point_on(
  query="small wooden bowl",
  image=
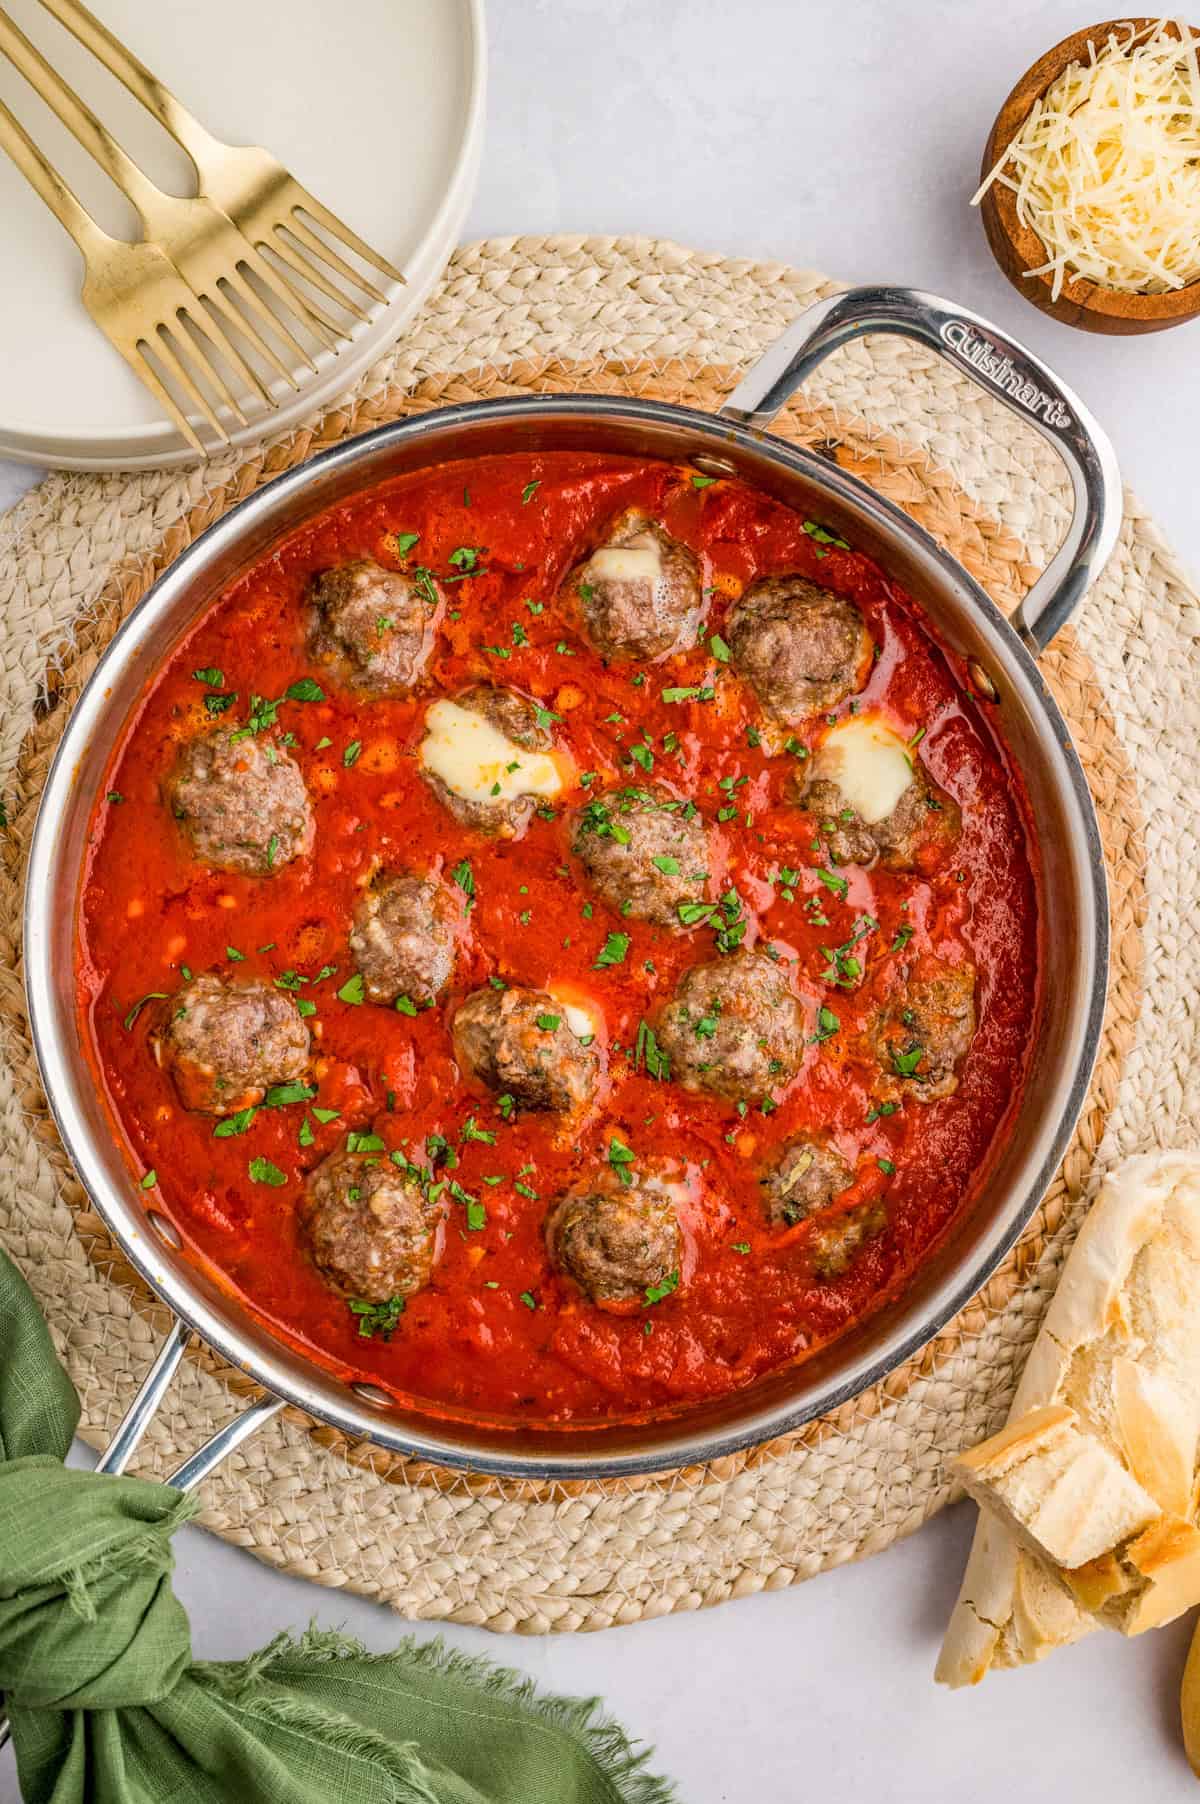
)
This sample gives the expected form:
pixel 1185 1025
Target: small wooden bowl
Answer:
pixel 1016 248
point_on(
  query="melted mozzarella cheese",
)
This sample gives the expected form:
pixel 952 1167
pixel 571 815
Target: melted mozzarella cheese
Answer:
pixel 582 1014
pixel 475 760
pixel 869 763
pixel 638 562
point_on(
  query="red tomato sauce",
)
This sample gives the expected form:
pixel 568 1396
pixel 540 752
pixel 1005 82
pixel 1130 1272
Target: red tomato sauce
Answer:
pixel 497 1332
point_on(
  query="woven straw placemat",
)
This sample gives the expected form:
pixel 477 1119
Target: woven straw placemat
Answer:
pixel 644 316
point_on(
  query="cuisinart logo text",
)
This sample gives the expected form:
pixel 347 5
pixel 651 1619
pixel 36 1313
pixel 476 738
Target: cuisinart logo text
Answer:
pixel 996 368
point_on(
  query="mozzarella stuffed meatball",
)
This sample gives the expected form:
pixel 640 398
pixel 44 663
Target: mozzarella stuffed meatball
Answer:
pixel 616 1241
pixel 923 1034
pixel 403 939
pixel 874 801
pixel 801 648
pixel 241 803
pixel 487 756
pixel 369 1227
pixel 638 595
pixel 645 851
pixel 803 1181
pixel 733 1028
pixel 518 1042
pixel 375 627
pixel 226 1042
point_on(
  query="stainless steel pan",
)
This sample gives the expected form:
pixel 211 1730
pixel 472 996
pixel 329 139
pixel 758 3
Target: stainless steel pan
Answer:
pixel 1002 661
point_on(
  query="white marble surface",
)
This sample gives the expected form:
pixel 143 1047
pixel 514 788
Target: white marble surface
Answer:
pixel 844 138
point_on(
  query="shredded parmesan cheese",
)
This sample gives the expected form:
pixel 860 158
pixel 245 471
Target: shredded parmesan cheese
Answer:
pixel 1106 168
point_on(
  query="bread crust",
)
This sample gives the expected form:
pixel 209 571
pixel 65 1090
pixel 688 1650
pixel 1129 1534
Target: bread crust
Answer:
pixel 1110 1396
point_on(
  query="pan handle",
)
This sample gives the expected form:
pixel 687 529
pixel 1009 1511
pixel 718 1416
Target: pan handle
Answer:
pixel 1000 366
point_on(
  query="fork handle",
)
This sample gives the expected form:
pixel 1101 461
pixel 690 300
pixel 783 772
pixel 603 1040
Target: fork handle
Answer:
pixel 76 115
pixel 45 179
pixel 158 99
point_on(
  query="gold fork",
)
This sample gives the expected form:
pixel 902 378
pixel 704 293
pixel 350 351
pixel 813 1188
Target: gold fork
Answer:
pixel 246 182
pixel 206 248
pixel 135 295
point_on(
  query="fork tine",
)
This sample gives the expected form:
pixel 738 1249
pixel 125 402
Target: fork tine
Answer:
pixel 305 234
pixel 317 321
pixel 203 318
pixel 290 255
pixel 162 346
pixel 236 281
pixel 201 324
pixel 218 309
pixel 332 224
pixel 142 368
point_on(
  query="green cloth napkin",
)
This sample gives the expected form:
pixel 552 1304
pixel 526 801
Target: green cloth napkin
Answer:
pixel 108 1706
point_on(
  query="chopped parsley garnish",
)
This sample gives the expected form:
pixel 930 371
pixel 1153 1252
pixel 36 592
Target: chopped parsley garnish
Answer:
pixel 719 649
pixel 827 1024
pixel 529 1300
pixel 280 1096
pixel 305 1007
pixel 702 482
pixel 471 1130
pixel 306 1135
pixel 648 1053
pixel 904 933
pixel 403 542
pixel 693 914
pixel 529 491
pixel 364 1143
pixel 262 1171
pixel 464 876
pixel 217 704
pixel 664 862
pixel 115 797
pixel 214 678
pixel 905 1063
pixel 150 1179
pixel 656 1292
pixel 741 1246
pixel 322 744
pixel 696 692
pixel 545 717
pixel 352 753
pixel 306 690
pixel 643 755
pixel 823 536
pixel 234 1124
pixel 231 952
pixel 832 881
pixel 886 1166
pixel 406 1005
pixel 380 1319
pixel 466 559
pixel 613 951
pixel 324 1116
pixel 135 1011
pixel 272 850
pixel 352 990
pixel 732 930
pixel 549 1024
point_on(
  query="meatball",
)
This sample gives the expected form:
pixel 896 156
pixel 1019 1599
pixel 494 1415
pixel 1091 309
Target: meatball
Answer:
pixel 518 1041
pixel 873 799
pixel 225 1043
pixel 403 937
pixel 375 626
pixel 638 594
pixel 516 717
pixel 733 1028
pixel 241 802
pixel 804 1180
pixel 616 1241
pixel 644 850
pixel 801 648
pixel 836 1244
pixel 370 1228
pixel 922 1035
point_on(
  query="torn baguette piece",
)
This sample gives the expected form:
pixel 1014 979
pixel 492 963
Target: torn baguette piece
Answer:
pixel 1060 1491
pixel 1120 1349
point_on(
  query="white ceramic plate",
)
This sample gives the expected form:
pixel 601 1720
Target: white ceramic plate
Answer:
pixel 375 105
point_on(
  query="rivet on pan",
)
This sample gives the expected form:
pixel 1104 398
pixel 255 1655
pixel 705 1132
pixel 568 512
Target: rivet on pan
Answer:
pixel 371 1393
pixel 982 681
pixel 166 1230
pixel 714 466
